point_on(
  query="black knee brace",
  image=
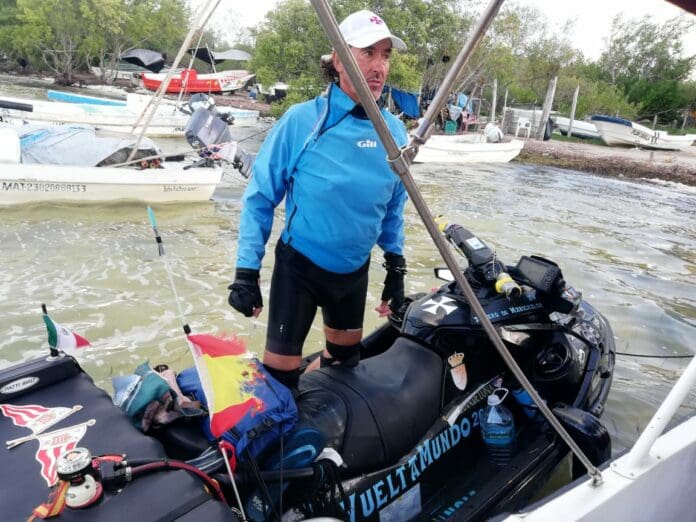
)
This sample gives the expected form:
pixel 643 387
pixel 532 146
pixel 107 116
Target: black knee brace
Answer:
pixel 289 378
pixel 341 354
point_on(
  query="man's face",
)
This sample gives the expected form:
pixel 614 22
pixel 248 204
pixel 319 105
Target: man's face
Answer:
pixel 373 62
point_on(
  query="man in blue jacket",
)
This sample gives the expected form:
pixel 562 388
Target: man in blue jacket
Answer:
pixel 341 199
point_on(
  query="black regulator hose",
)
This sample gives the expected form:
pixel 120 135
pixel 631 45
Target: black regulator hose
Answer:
pixel 116 471
pixel 163 465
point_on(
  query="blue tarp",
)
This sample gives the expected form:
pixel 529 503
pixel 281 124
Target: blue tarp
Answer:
pixel 407 102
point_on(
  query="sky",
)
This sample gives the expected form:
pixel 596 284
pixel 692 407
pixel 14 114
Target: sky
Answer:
pixel 592 17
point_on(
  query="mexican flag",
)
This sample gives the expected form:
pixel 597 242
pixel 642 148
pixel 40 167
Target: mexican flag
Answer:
pixel 61 338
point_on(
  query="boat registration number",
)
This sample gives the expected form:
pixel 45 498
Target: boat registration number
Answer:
pixel 30 186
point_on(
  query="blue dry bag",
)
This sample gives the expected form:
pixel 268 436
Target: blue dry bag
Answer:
pixel 257 430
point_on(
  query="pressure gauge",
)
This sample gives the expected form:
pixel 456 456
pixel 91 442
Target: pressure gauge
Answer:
pixel 74 463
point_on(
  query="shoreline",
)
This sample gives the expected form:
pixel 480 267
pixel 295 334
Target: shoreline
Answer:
pixel 89 84
pixel 621 162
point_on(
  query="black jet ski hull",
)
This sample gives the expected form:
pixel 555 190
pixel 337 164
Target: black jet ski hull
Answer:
pixel 28 467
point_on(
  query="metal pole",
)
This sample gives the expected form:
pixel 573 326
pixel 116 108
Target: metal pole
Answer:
pixel 400 166
pixel 422 133
pixel 155 100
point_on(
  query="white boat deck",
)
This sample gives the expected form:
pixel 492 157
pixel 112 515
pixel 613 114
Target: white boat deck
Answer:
pixel 653 481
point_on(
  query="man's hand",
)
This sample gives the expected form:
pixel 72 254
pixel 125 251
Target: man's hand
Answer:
pixel 393 293
pixel 245 293
pixel 383 309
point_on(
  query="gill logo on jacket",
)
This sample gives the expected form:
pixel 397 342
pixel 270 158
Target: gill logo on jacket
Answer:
pixel 367 144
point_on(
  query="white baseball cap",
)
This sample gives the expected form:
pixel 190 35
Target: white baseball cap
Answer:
pixel 364 28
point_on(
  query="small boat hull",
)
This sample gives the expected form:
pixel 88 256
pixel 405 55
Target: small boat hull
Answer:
pixel 461 149
pixel 71 97
pixel 581 129
pixel 190 81
pixel 626 133
pixel 22 183
pixel 167 122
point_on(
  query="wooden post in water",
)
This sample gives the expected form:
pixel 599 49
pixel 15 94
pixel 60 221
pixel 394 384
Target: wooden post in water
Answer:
pixel 548 102
pixel 572 110
pixel 495 99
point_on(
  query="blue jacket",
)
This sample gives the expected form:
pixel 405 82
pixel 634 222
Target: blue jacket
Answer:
pixel 341 196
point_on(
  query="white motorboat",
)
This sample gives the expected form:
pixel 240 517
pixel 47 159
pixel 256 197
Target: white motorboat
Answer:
pixel 466 148
pixel 135 103
pixel 653 481
pixel 621 132
pixel 581 128
pixel 168 121
pixel 171 182
pixel 56 163
pixel 74 97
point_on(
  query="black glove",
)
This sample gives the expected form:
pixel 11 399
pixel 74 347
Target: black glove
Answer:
pixel 243 161
pixel 245 294
pixel 394 282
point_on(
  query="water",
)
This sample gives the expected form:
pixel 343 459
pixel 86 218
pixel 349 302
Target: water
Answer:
pixel 629 247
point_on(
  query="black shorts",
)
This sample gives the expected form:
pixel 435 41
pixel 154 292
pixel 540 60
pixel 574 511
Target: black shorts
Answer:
pixel 298 287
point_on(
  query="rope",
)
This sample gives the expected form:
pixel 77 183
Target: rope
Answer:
pixel 649 356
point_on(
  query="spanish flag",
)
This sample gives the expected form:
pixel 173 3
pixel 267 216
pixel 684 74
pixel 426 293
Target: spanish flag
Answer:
pixel 228 375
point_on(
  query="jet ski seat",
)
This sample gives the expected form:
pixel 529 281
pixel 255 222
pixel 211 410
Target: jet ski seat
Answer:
pixel 374 413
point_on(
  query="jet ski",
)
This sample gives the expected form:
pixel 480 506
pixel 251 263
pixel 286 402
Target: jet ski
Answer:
pixel 398 437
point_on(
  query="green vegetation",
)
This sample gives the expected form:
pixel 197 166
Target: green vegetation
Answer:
pixel 67 36
pixel 642 72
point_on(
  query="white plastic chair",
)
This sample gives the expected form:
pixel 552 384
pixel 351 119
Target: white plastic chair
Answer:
pixel 525 124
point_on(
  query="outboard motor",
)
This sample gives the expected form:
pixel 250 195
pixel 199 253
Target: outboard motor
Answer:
pixel 208 132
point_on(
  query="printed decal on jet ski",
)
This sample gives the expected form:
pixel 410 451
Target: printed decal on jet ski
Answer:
pixel 458 370
pixel 450 510
pixel 437 303
pixel 19 385
pixel 406 507
pixel 55 443
pixel 506 309
pixel 370 497
pixel 37 418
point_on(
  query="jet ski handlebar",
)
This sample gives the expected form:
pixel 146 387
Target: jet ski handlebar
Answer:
pixel 543 275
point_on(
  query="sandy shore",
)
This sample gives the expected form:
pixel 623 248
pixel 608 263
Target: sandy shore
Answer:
pixel 675 166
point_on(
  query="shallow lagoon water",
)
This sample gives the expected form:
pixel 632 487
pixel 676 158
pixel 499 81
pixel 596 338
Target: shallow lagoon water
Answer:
pixel 630 247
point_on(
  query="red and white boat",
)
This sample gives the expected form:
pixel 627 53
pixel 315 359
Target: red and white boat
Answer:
pixel 189 81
